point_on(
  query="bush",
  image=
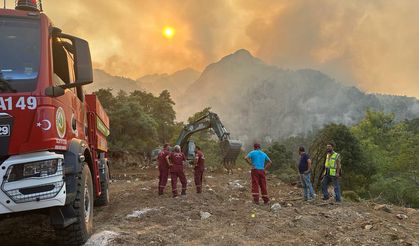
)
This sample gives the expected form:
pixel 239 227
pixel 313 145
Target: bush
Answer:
pixel 282 163
pixel 396 190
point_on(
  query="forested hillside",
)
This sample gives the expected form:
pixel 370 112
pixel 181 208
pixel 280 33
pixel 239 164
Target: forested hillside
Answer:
pixel 379 154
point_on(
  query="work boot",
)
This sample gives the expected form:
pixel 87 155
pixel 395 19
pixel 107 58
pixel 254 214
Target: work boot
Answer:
pixel 160 193
pixel 183 193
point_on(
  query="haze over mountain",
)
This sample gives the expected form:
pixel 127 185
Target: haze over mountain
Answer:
pixel 258 101
pixel 177 83
pixel 104 80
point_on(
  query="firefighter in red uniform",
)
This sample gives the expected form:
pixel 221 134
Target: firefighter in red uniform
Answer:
pixel 163 168
pixel 175 160
pixel 199 168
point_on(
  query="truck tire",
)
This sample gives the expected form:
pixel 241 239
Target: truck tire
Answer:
pixel 79 232
pixel 103 199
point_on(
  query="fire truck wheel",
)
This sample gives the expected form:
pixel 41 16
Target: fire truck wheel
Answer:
pixel 103 199
pixel 79 232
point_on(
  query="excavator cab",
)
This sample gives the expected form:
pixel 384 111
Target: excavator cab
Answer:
pixel 189 151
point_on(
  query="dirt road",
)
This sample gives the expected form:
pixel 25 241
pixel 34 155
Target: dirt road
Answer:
pixel 137 216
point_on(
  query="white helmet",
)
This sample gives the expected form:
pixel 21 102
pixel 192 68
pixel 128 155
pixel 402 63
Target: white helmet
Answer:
pixel 177 148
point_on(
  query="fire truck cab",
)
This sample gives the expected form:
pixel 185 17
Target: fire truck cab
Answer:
pixel 53 147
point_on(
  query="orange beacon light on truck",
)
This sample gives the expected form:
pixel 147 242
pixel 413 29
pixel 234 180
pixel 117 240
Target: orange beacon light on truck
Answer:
pixel 28 5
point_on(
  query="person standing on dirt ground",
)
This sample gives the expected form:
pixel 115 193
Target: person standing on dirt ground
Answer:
pixel 163 168
pixel 175 160
pixel 257 159
pixel 304 167
pixel 199 168
pixel 332 168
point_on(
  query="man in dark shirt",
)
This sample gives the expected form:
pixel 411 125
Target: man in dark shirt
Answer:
pixel 175 160
pixel 163 168
pixel 199 168
pixel 304 168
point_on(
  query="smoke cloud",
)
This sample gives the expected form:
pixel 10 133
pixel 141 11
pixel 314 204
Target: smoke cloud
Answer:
pixel 370 44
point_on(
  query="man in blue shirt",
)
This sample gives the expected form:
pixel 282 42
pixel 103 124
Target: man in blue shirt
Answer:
pixel 304 168
pixel 257 159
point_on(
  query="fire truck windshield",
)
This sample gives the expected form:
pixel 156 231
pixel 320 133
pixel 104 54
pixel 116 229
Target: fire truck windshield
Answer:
pixel 19 53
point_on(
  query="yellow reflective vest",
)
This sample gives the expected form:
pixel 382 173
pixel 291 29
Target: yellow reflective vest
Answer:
pixel 331 163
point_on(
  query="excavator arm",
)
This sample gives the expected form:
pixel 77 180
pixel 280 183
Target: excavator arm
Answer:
pixel 230 149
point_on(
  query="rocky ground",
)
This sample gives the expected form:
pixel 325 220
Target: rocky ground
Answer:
pixel 224 215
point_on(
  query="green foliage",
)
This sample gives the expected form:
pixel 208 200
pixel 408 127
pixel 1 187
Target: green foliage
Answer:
pixel 379 156
pixel 139 120
pixel 280 156
pixel 392 149
pixel 398 190
pixel 282 162
pixel 355 170
pixel 413 125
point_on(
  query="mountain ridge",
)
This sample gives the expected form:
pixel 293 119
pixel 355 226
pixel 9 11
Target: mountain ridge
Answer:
pixel 256 100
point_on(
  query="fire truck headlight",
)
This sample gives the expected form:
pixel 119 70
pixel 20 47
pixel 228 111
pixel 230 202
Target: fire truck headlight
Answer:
pixel 33 170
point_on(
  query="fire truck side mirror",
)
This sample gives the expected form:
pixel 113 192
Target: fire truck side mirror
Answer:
pixel 83 61
pixel 56 32
pixel 54 91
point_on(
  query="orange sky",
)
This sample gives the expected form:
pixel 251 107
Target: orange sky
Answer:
pixel 371 44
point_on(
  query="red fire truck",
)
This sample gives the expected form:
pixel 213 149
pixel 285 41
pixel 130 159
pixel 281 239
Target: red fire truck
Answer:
pixel 53 148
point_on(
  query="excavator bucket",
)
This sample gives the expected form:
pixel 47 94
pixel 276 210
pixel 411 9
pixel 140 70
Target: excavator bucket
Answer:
pixel 230 149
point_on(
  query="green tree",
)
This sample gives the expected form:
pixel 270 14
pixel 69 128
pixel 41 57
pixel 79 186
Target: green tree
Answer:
pixel 413 125
pixel 161 109
pixel 356 171
pixel 106 99
pixel 282 162
pixel 391 149
pixel 280 156
pixel 139 120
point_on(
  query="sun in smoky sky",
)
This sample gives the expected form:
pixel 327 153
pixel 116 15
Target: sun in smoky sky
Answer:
pixel 168 32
